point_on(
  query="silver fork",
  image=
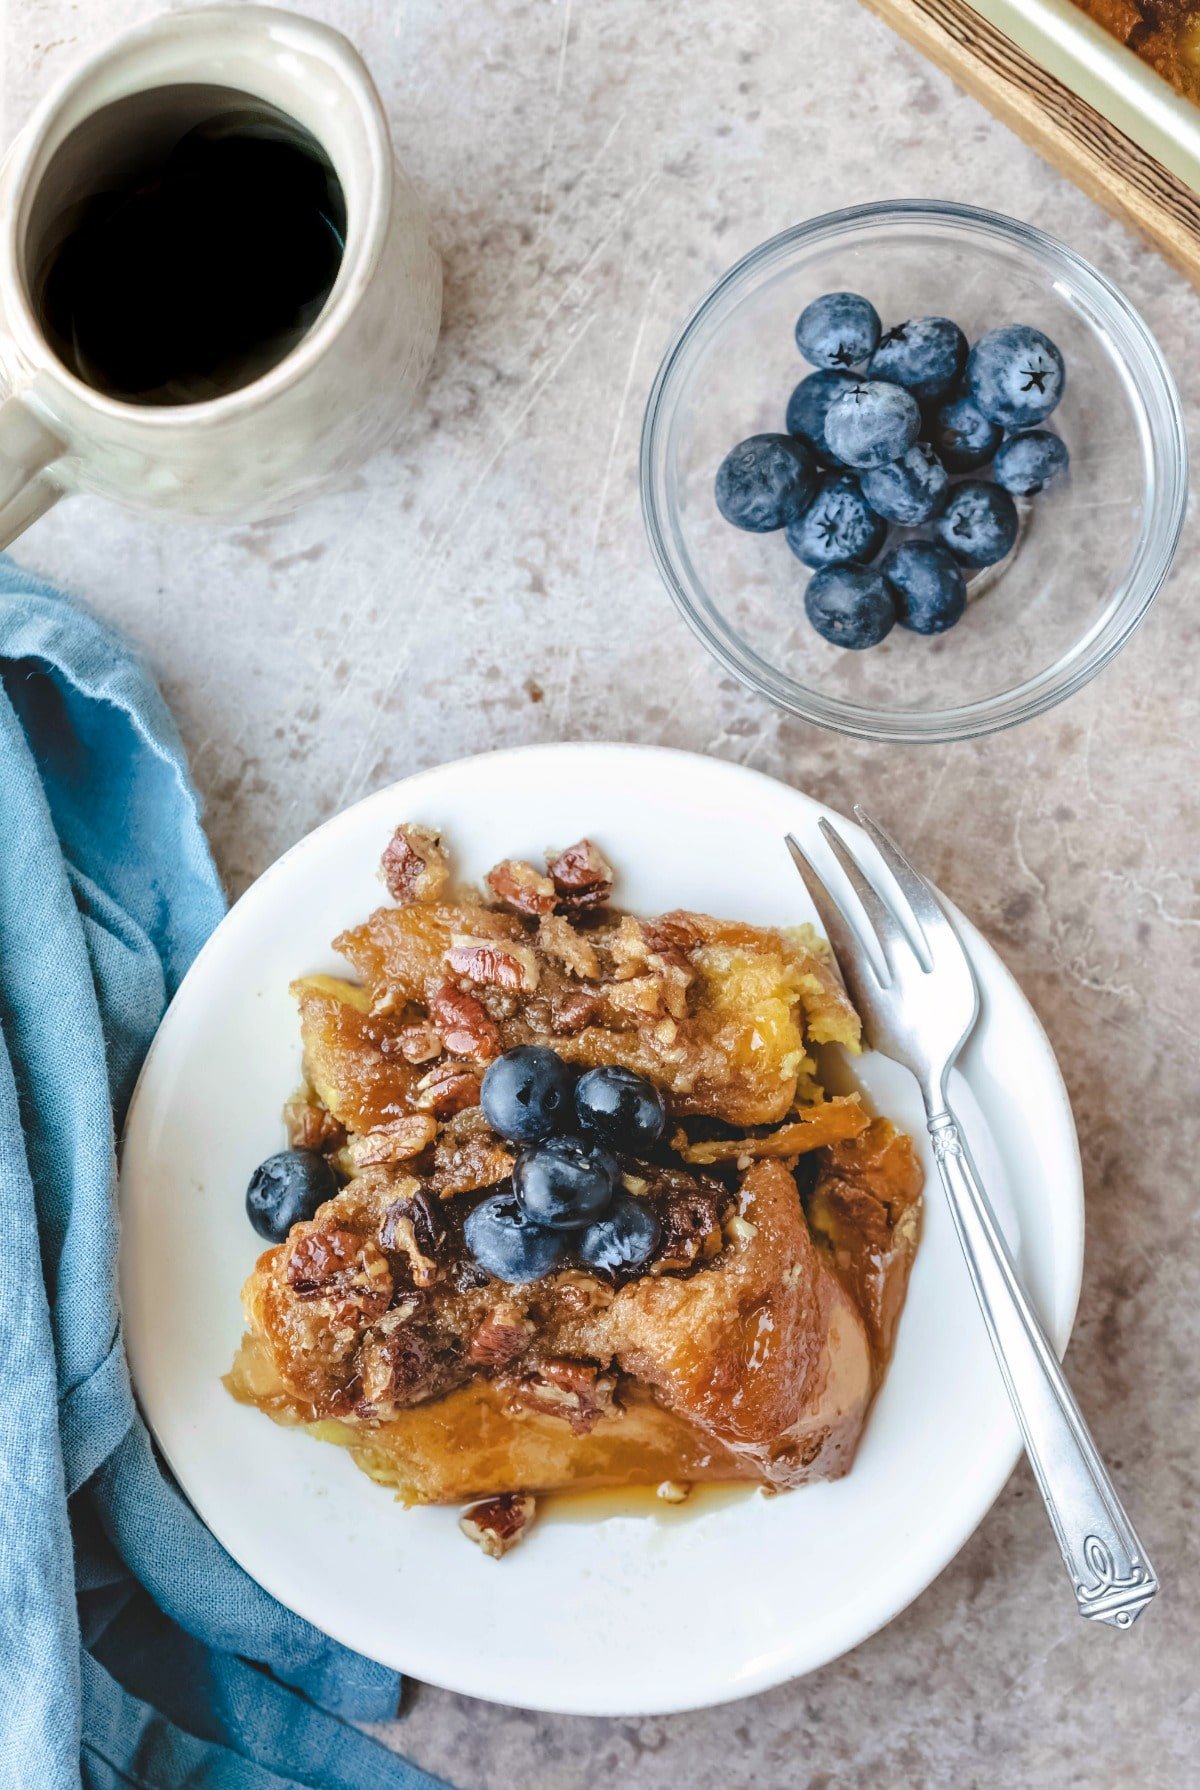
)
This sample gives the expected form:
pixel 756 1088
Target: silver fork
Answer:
pixel 920 1012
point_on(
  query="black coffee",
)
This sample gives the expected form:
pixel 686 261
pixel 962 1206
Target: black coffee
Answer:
pixel 201 260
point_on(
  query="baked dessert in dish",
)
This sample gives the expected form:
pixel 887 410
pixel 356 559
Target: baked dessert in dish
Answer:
pixel 566 1206
pixel 1164 33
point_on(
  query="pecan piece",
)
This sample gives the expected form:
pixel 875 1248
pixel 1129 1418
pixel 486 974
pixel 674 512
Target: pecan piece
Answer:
pixel 575 1011
pixel 581 876
pixel 494 965
pixel 404 1365
pixel 677 931
pixel 503 1335
pixel 639 999
pixel 397 1141
pixel 415 867
pixel 497 1524
pixel 674 974
pixel 311 1126
pixel 518 885
pixel 628 949
pixel 691 1230
pixel 412 1228
pixel 419 1043
pixel 343 1267
pixel 576 1391
pixel 466 1026
pixel 464 1162
pixel 448 1088
pixel 558 938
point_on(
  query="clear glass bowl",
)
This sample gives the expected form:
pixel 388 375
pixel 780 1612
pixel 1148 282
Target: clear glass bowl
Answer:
pixel 1093 549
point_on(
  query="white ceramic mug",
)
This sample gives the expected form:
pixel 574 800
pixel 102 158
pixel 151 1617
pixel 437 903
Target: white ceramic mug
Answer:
pixel 303 426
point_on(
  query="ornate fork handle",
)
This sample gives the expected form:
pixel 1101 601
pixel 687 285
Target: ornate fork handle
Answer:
pixel 1112 1579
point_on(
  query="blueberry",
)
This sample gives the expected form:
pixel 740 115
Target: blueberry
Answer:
pixel 502 1239
pixel 849 606
pixel 1016 376
pixel 809 403
pixel 839 527
pixel 765 483
pixel 871 423
pixel 963 437
pixel 839 330
pixel 526 1093
pixel 565 1182
pixel 926 356
pixel 979 524
pixel 624 1110
pixel 911 490
pixel 625 1237
pixel 286 1189
pixel 928 585
pixel 1027 463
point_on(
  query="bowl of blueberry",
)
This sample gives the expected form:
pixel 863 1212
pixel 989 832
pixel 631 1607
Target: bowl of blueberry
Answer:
pixel 914 471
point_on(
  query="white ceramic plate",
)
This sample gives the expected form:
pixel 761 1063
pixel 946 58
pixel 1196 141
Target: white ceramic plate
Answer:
pixel 628 1614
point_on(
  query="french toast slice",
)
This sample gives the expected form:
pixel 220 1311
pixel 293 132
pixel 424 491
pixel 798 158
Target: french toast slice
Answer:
pixel 756 1365
pixel 750 1344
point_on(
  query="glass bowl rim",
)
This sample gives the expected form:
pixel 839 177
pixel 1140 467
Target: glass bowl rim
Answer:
pixel 1152 391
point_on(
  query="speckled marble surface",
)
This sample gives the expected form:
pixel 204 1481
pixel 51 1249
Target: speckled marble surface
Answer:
pixel 590 168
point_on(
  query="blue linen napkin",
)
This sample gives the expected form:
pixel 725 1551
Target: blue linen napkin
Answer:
pixel 133 1651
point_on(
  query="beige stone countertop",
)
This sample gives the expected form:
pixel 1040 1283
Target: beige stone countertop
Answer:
pixel 591 166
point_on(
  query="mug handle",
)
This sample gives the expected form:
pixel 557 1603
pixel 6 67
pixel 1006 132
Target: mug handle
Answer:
pixel 26 448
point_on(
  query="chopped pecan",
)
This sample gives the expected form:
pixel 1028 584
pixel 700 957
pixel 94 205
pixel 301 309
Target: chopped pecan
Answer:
pixel 419 1043
pixel 520 886
pixel 677 931
pixel 466 1026
pixel 343 1267
pixel 674 974
pixel 558 939
pixel 628 948
pixel 311 1126
pixel 448 1088
pixel 497 1524
pixel 397 1141
pixel 581 876
pixel 576 1391
pixel 415 867
pixel 639 999
pixel 575 1011
pixel 739 1230
pixel 578 1295
pixel 404 1365
pixel 467 1160
pixel 691 1230
pixel 493 964
pixel 411 1227
pixel 503 1335
pixel 343 1400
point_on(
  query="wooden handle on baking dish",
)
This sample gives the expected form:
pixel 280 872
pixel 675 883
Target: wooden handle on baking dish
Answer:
pixel 1069 132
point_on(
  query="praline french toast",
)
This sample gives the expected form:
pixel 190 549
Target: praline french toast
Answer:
pixel 1164 33
pixel 723 1309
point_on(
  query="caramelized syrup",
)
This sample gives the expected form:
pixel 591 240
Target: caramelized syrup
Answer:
pixel 642 1502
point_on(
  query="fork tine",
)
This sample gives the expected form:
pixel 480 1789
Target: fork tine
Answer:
pixel 933 927
pixel 889 934
pixel 858 972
